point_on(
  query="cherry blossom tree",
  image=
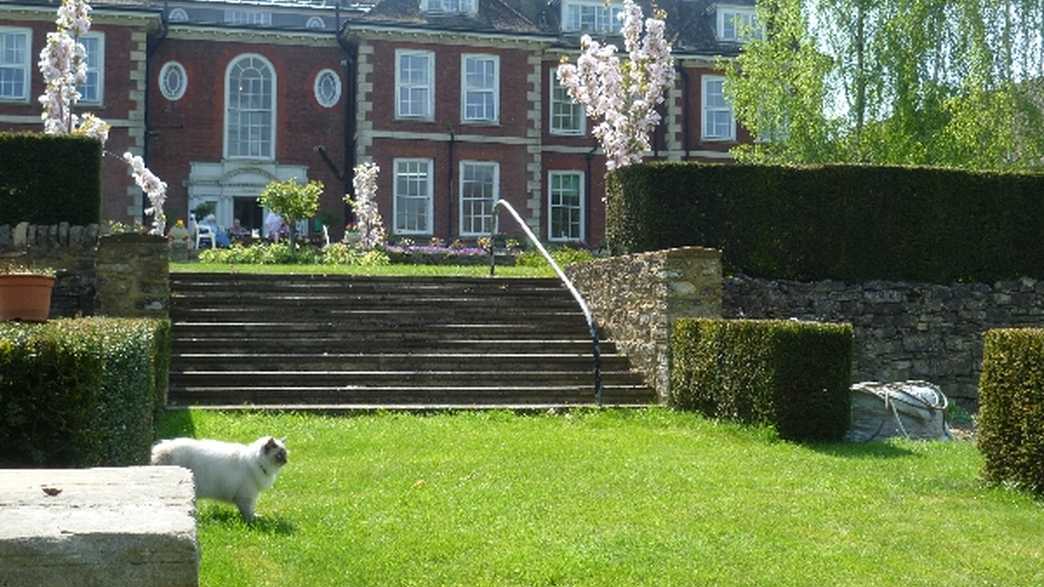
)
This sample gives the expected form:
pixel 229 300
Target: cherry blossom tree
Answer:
pixel 63 64
pixel 623 95
pixel 368 218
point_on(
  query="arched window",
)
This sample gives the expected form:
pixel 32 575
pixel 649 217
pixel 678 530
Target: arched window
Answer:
pixel 177 15
pixel 250 85
pixel 316 23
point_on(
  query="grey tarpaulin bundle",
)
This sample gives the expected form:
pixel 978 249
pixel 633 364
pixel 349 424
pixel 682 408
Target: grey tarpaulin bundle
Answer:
pixel 911 409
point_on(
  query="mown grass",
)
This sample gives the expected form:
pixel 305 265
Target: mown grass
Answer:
pixel 386 270
pixel 608 498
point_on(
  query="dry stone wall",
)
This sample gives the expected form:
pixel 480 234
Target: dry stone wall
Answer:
pixel 636 298
pixel 902 330
pixel 117 275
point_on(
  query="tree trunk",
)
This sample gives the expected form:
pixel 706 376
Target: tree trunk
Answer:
pixel 292 228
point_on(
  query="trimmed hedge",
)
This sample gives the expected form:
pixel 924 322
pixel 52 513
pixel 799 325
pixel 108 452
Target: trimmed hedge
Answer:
pixel 844 222
pixel 792 375
pixel 49 179
pixel 81 392
pixel 1011 407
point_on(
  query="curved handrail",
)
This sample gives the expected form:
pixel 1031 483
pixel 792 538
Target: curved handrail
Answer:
pixel 591 325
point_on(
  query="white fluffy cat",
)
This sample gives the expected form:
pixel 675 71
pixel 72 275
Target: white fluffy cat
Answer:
pixel 236 473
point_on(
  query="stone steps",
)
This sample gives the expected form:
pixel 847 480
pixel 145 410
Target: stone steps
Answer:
pixel 278 340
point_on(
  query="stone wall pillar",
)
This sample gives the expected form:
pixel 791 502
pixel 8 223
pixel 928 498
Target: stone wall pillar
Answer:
pixel 133 278
pixel 636 299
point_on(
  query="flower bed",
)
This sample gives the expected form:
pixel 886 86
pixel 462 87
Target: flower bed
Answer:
pixel 442 255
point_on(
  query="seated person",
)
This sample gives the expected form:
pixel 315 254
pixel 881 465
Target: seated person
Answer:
pixel 220 236
pixel 179 234
pixel 238 231
pixel 274 226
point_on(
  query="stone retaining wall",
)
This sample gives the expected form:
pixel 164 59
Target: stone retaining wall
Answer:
pixel 636 298
pixel 902 330
pixel 118 275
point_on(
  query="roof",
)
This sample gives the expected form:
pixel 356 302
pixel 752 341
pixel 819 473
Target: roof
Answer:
pixel 691 24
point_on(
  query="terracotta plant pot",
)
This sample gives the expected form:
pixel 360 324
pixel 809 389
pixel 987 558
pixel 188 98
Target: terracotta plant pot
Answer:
pixel 25 297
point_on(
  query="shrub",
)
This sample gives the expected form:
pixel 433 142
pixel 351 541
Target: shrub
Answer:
pixel 292 201
pixel 48 179
pixel 841 222
pixel 793 375
pixel 1011 407
pixel 563 256
pixel 81 392
pixel 281 254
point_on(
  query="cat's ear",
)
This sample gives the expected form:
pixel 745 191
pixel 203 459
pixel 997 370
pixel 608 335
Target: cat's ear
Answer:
pixel 270 443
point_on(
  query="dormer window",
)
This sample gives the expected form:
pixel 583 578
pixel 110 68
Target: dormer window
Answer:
pixel 449 6
pixel 591 16
pixel 737 23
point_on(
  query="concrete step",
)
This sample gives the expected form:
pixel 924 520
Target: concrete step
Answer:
pixel 303 328
pixel 377 317
pixel 430 346
pixel 559 394
pixel 187 281
pixel 394 378
pixel 416 407
pixel 336 361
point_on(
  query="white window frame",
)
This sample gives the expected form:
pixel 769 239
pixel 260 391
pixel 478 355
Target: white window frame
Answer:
pixel 583 205
pixel 315 88
pixel 439 7
pixel 234 17
pixel 178 15
pixel 395 195
pixel 725 12
pixel 460 194
pixel 27 65
pixel 399 53
pixel 315 23
pixel 551 110
pixel 163 73
pixel 704 81
pixel 612 7
pixel 101 68
pixel 464 88
pixel 275 106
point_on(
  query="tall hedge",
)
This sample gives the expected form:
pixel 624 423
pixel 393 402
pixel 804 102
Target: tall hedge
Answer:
pixel 792 375
pixel 80 392
pixel 841 222
pixel 48 180
pixel 1011 407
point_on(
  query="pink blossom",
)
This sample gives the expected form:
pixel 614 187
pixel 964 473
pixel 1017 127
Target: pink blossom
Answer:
pixel 624 96
pixel 368 217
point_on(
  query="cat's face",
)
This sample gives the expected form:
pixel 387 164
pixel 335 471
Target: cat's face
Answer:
pixel 274 451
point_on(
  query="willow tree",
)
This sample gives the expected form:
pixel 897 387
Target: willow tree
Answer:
pixel 936 82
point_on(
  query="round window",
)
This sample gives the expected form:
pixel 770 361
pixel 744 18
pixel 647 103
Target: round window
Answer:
pixel 327 88
pixel 173 80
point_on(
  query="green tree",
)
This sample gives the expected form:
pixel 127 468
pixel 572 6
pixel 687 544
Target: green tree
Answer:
pixel 292 201
pixel 934 82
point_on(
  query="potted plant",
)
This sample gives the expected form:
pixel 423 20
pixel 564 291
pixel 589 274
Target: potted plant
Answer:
pixel 25 293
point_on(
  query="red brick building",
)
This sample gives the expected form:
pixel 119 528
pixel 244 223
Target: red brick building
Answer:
pixel 456 100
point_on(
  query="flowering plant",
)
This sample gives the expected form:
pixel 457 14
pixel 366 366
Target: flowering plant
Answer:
pixel 368 217
pixel 623 95
pixel 25 270
pixel 63 64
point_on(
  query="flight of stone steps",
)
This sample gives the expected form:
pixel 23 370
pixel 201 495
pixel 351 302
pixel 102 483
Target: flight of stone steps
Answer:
pixel 348 342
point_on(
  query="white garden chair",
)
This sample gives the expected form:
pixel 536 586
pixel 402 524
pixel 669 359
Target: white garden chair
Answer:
pixel 204 231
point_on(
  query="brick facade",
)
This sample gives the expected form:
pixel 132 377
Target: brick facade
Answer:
pixel 186 136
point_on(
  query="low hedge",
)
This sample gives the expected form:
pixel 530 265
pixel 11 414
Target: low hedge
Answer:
pixel 792 375
pixel 1011 407
pixel 49 179
pixel 844 222
pixel 80 392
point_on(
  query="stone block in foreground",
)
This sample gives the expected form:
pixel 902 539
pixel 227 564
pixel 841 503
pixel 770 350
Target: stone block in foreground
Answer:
pixel 107 526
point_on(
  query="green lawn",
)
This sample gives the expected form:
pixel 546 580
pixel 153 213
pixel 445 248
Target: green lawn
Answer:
pixel 394 270
pixel 610 498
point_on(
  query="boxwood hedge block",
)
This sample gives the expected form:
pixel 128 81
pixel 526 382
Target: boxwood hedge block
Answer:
pixel 848 222
pixel 792 375
pixel 80 392
pixel 48 179
pixel 1011 407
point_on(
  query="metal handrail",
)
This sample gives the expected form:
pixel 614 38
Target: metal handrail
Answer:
pixel 591 325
